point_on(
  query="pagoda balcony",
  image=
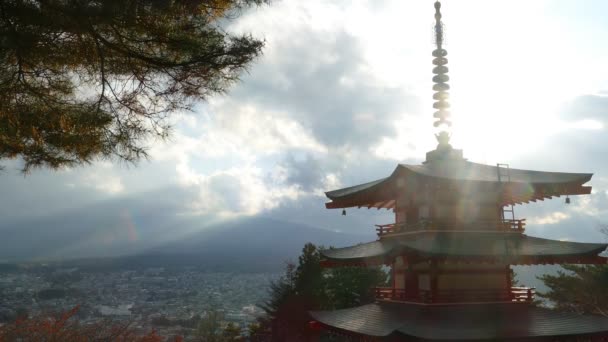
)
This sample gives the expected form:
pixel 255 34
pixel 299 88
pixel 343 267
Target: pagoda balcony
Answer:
pixel 513 295
pixel 516 226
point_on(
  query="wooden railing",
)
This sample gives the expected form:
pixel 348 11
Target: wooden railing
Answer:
pixel 515 294
pixel 513 225
pixel 500 225
pixel 523 294
pixel 383 229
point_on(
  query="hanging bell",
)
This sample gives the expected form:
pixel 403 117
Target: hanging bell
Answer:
pixel 343 212
pixel 567 200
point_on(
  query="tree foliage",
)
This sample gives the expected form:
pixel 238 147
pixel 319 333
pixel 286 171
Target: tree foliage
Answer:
pixel 209 327
pixel 580 289
pixel 231 333
pixel 307 286
pixel 63 327
pixel 86 79
pixel 213 328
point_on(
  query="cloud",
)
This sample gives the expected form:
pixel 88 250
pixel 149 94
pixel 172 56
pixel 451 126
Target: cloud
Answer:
pixel 235 192
pixel 296 125
pixel 322 81
pixel 579 146
pixel 587 108
pixel 305 171
pixel 552 218
pixel 310 209
pixel 117 225
pixel 102 179
pixel 341 94
pixel 246 131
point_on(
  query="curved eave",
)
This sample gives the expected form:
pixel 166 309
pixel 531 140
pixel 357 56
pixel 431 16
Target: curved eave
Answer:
pixel 524 186
pixel 462 322
pixel 532 193
pixel 364 254
pixel 468 247
pixel 379 193
pixel 340 193
pixel 525 193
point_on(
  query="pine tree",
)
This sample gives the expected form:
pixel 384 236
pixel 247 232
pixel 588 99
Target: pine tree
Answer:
pixel 86 79
pixel 209 328
pixel 347 287
pixel 309 280
pixel 231 333
pixel 291 298
pixel 308 286
pixel 580 289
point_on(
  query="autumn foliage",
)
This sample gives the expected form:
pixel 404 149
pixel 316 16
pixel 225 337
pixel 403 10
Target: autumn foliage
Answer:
pixel 65 328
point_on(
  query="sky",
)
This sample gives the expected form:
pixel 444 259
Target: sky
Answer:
pixel 341 95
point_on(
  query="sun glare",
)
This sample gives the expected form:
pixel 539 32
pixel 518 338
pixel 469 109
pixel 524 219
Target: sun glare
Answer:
pixel 508 82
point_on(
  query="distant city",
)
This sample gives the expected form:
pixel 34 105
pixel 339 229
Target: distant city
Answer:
pixel 168 289
pixel 170 301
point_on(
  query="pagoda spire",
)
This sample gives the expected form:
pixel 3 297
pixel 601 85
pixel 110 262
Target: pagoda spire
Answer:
pixel 440 79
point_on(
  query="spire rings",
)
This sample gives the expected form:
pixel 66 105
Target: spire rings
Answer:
pixel 440 70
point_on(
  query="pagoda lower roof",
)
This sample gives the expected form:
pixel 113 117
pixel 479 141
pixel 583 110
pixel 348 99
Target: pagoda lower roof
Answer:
pixel 473 322
pixel 503 247
pixel 525 185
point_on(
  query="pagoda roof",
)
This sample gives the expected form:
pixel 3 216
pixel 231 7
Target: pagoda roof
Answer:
pixel 461 322
pixel 527 185
pixel 507 247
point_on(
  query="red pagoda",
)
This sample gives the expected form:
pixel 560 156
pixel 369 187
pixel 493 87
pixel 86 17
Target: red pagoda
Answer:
pixel 452 245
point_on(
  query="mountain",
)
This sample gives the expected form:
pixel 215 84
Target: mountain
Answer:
pixel 259 244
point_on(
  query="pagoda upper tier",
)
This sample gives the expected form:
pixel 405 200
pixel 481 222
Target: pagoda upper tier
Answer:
pixel 446 176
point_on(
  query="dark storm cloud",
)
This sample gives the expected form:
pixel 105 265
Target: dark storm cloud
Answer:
pixel 320 80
